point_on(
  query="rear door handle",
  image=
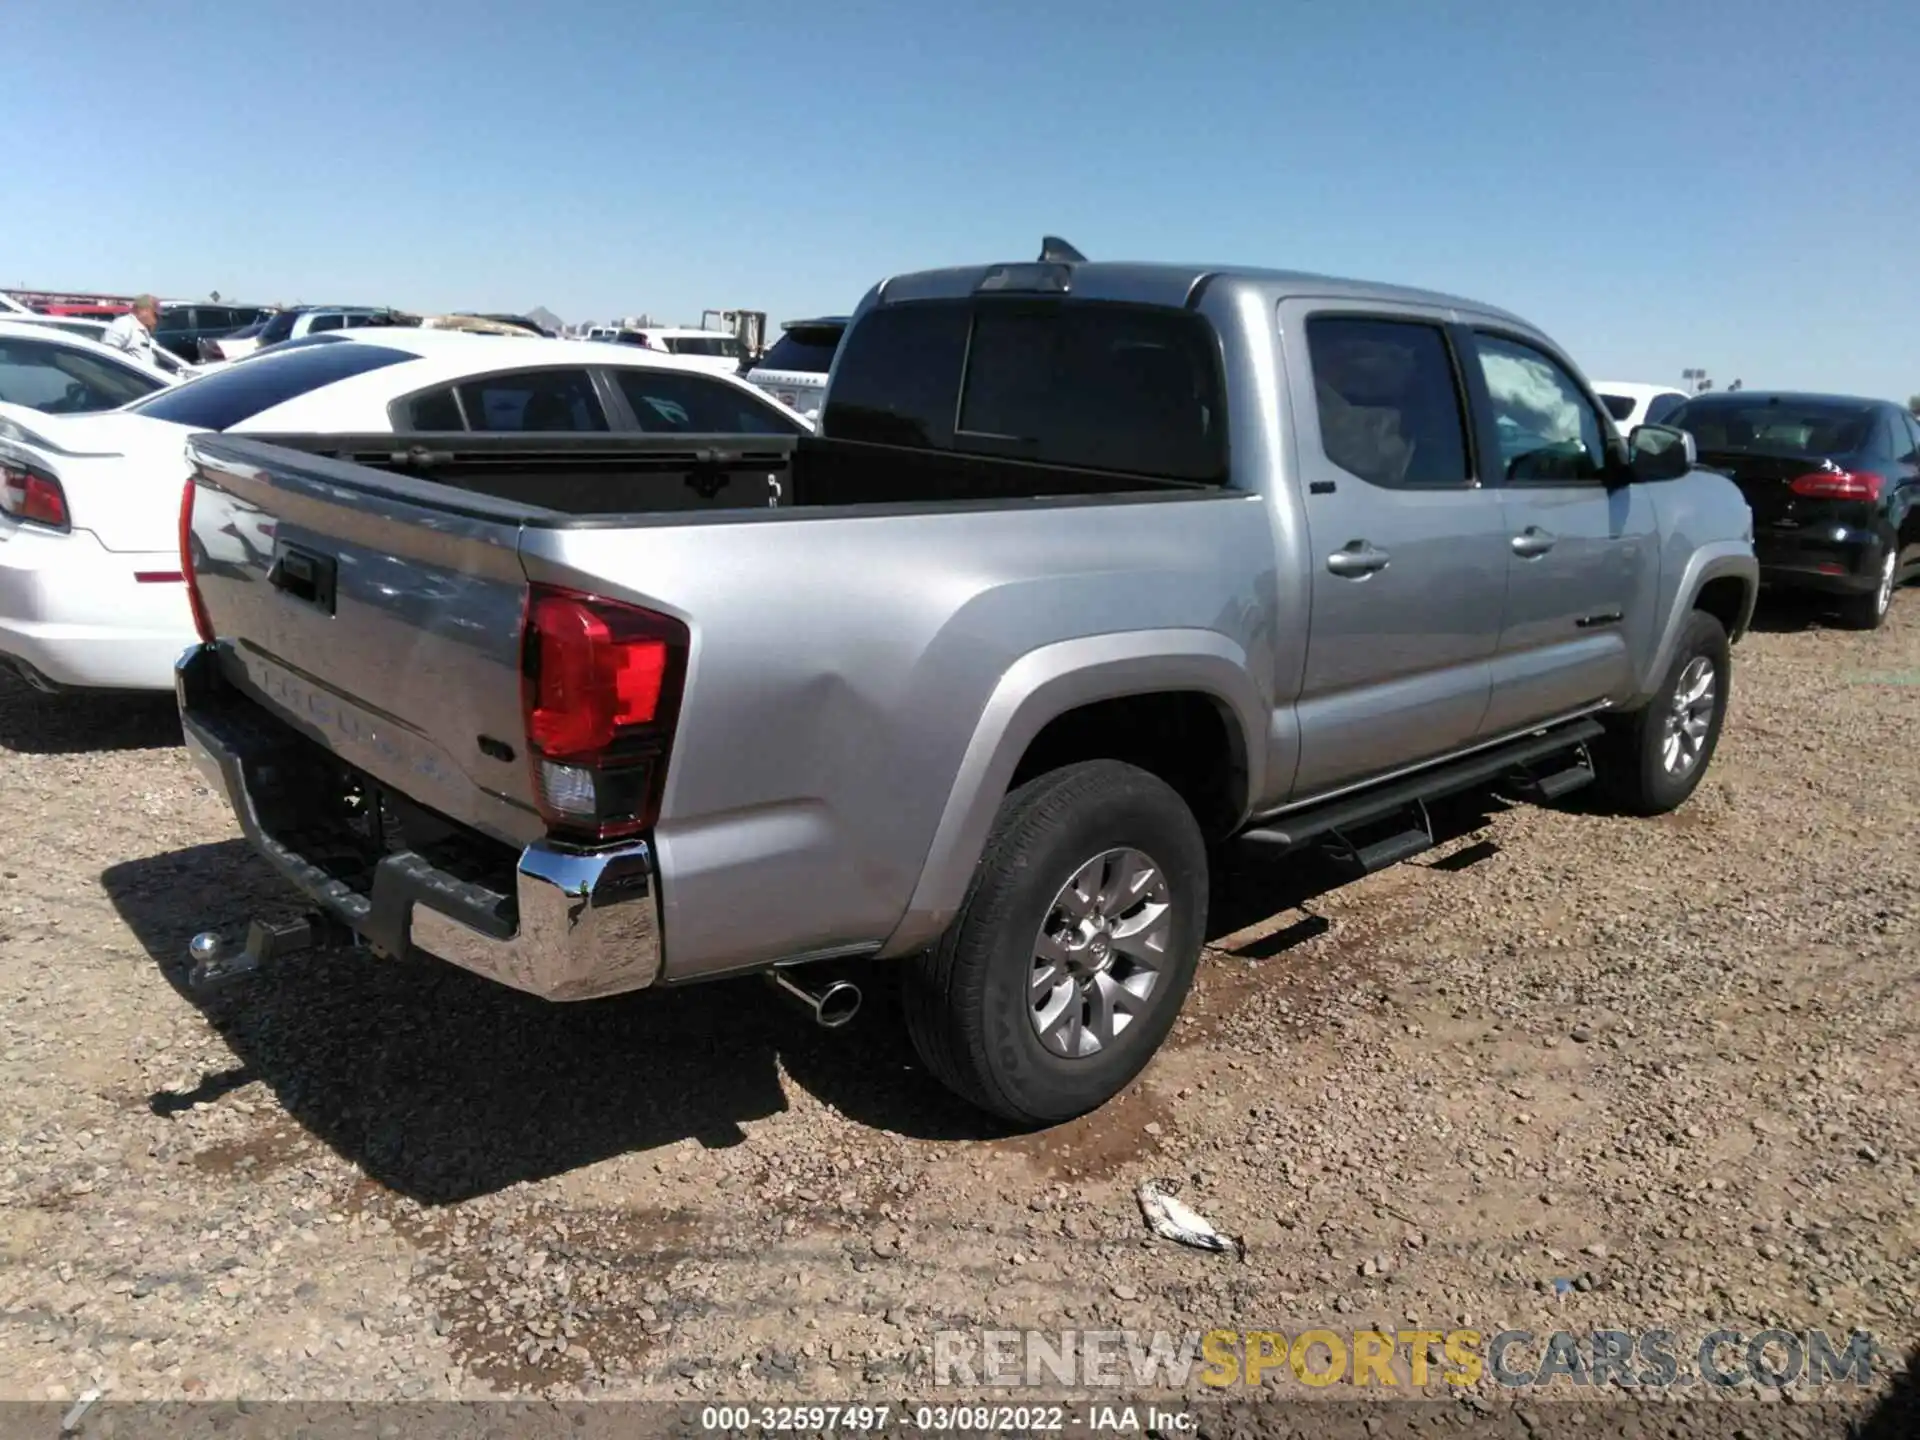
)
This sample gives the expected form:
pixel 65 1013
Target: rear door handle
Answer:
pixel 1532 542
pixel 1357 560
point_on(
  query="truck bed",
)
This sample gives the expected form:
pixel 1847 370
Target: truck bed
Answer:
pixel 623 477
pixel 852 609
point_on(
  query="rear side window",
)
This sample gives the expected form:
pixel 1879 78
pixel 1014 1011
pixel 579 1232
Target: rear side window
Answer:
pixel 435 410
pixel 1098 386
pixel 228 397
pixel 1618 406
pixel 666 402
pixel 325 322
pixel 803 350
pixel 533 400
pixel 1388 401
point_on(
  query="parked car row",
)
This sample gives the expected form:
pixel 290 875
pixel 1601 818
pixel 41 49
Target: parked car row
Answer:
pixel 90 581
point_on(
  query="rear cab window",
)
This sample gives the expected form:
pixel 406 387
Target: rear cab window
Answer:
pixel 229 397
pixel 1092 385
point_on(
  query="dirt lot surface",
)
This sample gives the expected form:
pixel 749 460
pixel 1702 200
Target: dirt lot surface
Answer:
pixel 1569 1071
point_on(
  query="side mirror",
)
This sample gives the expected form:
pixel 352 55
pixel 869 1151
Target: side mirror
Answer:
pixel 1660 452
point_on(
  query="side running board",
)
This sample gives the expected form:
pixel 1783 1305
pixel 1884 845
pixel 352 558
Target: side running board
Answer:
pixel 1399 808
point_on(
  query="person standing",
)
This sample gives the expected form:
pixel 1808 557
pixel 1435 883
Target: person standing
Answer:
pixel 133 332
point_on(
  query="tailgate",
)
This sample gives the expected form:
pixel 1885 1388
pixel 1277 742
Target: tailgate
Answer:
pixel 378 613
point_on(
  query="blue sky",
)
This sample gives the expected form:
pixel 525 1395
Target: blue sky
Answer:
pixel 1658 185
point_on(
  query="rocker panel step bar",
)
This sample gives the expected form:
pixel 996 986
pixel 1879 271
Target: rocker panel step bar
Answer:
pixel 1483 768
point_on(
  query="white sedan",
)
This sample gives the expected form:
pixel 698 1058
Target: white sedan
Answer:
pixel 91 591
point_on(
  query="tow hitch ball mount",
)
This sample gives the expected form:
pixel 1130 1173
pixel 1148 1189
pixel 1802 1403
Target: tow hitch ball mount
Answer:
pixel 267 941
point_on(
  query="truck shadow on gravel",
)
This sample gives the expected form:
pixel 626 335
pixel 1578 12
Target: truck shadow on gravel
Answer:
pixel 442 1086
pixel 32 723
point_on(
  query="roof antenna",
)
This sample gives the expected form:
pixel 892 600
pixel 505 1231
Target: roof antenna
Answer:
pixel 1059 252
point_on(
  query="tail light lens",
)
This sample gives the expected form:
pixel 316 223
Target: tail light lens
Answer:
pixel 601 686
pixel 1839 485
pixel 200 621
pixel 29 493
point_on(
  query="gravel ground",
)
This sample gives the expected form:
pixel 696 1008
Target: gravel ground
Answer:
pixel 1670 1064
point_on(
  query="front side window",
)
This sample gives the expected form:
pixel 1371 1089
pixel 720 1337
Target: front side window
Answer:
pixel 227 397
pixel 533 400
pixel 1388 401
pixel 1547 430
pixel 665 401
pixel 60 381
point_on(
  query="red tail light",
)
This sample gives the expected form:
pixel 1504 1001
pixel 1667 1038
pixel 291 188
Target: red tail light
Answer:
pixel 200 621
pixel 1839 485
pixel 601 685
pixel 30 494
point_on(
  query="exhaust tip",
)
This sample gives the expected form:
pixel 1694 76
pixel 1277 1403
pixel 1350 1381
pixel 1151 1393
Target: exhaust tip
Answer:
pixel 837 1004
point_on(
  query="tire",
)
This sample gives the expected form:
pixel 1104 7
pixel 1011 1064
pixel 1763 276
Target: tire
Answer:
pixel 967 1001
pixel 1635 768
pixel 1869 611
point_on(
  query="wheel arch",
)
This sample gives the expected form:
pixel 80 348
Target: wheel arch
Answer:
pixel 1055 705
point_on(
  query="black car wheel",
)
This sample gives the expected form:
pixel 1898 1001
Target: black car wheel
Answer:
pixel 1657 757
pixel 1073 950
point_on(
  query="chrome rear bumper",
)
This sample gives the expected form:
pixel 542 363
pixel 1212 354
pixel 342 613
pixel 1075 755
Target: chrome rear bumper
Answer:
pixel 579 924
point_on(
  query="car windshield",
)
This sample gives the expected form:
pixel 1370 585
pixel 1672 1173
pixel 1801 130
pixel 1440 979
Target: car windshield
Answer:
pixel 1777 427
pixel 721 345
pixel 1618 406
pixel 230 396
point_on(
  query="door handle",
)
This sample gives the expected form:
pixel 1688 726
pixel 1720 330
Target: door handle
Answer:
pixel 1357 560
pixel 1532 542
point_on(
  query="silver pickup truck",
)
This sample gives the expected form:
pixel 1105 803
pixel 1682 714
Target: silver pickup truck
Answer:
pixel 1091 569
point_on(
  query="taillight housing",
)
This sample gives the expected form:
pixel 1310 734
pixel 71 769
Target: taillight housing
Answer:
pixel 601 683
pixel 1839 485
pixel 200 621
pixel 30 494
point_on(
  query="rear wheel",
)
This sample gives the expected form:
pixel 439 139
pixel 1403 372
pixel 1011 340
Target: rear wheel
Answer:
pixel 1869 611
pixel 1073 950
pixel 1657 758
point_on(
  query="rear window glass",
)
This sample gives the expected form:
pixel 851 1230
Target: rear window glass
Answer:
pixel 722 346
pixel 227 397
pixel 803 350
pixel 1776 427
pixel 1618 406
pixel 65 381
pixel 1090 385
